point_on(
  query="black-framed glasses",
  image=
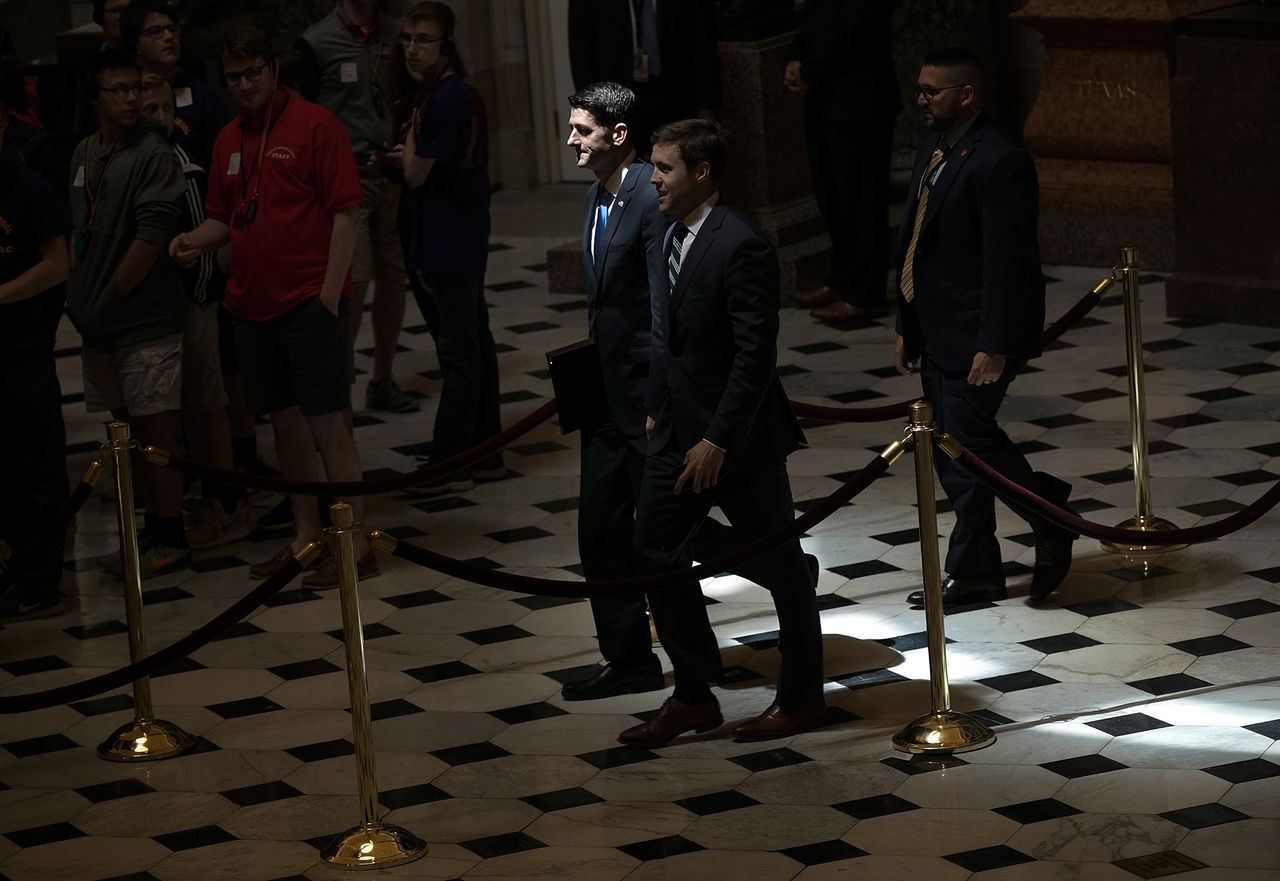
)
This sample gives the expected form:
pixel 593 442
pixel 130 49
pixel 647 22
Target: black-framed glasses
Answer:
pixel 124 91
pixel 155 32
pixel 249 75
pixel 931 92
pixel 422 41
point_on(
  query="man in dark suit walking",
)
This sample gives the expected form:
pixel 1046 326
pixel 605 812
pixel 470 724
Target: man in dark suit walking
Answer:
pixel 720 434
pixel 842 62
pixel 663 50
pixel 622 231
pixel 971 313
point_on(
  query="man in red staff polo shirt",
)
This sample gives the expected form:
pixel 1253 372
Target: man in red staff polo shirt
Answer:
pixel 284 191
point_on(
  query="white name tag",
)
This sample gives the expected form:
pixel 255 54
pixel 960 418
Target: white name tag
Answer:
pixel 79 181
pixel 182 97
pixel 348 72
pixel 233 166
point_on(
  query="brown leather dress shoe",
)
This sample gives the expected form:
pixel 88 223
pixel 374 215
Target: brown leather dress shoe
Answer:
pixel 822 296
pixel 840 311
pixel 674 719
pixel 776 722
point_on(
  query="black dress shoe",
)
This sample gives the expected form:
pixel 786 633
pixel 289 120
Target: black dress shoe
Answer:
pixel 674 719
pixel 1053 561
pixel 611 680
pixel 965 590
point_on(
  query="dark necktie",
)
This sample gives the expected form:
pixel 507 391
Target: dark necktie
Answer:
pixel 677 250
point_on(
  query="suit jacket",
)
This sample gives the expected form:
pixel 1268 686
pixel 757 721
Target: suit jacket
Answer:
pixel 621 314
pixel 845 51
pixel 601 46
pixel 978 283
pixel 720 332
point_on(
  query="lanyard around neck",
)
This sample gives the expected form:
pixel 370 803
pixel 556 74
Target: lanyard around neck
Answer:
pixel 93 192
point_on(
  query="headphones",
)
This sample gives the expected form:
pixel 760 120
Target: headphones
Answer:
pixel 447 49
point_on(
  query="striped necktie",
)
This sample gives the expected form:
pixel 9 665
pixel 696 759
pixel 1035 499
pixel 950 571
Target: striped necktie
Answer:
pixel 677 250
pixel 908 265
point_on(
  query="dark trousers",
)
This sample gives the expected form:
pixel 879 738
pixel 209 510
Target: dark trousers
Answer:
pixel 421 296
pixel 757 501
pixel 612 469
pixel 33 481
pixel 468 410
pixel 968 413
pixel 849 164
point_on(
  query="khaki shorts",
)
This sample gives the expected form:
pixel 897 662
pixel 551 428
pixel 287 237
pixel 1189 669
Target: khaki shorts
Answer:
pixel 144 379
pixel 202 389
pixel 377 252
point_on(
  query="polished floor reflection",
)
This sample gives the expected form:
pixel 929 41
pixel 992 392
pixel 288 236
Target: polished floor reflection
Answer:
pixel 1137 713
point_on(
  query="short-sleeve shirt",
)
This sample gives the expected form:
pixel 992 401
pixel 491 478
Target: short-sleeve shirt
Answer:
pixel 451 208
pixel 307 175
pixel 31 215
pixel 199 115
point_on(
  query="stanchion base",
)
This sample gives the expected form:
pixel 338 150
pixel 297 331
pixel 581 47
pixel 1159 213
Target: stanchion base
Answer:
pixel 1144 524
pixel 373 846
pixel 946 732
pixel 145 741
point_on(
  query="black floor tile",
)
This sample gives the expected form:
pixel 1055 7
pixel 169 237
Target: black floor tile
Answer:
pixel 419 794
pixel 1094 608
pixel 1036 811
pixel 524 533
pixel 533 603
pixel 562 799
pixel 716 802
pixel 30 666
pixel 1209 645
pixel 98 706
pixel 526 713
pixel 1246 609
pixel 823 852
pixel 48 834
pixel 922 764
pixel 1010 682
pixel 441 672
pixel 471 752
pixel 1245 771
pixel 318 752
pixel 1266 729
pixel 986 858
pixel 770 758
pixel 93 631
pixel 1065 642
pixel 502 845
pixel 876 806
pixel 864 569
pixel 660 848
pixel 393 708
pixel 1083 766
pixel 1200 816
pixel 189 839
pixel 1172 684
pixel 870 678
pixel 35 746
pixel 247 707
pixel 100 792
pixel 617 756
pixel 416 599
pixel 260 793
pixel 303 669
pixel 490 635
pixel 1134 723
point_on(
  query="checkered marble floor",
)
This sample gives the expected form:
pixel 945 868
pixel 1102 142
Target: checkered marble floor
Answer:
pixel 1137 713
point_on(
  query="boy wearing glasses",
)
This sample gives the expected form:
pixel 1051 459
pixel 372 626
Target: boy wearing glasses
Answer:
pixel 149 29
pixel 124 295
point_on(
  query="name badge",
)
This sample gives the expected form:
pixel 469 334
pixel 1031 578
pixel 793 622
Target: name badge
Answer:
pixel 79 181
pixel 182 97
pixel 348 72
pixel 233 166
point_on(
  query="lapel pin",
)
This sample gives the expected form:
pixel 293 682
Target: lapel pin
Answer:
pixel 964 151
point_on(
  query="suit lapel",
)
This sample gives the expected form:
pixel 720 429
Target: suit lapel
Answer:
pixel 960 154
pixel 588 228
pixel 621 204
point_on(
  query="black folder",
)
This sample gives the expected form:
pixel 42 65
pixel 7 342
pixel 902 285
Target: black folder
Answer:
pixel 577 381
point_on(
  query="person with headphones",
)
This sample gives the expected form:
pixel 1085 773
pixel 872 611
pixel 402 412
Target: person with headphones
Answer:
pixel 284 192
pixel 444 158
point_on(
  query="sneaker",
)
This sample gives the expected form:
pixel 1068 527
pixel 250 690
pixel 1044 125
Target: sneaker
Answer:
pixel 326 575
pixel 389 397
pixel 28 603
pixel 211 526
pixel 451 483
pixel 279 518
pixel 155 557
pixel 422 451
pixel 267 568
pixel 485 475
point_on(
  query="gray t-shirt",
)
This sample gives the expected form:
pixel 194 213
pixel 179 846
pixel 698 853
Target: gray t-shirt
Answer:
pixel 354 76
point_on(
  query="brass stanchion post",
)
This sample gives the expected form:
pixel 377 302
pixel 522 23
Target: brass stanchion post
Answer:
pixel 145 738
pixel 1143 520
pixel 372 844
pixel 942 730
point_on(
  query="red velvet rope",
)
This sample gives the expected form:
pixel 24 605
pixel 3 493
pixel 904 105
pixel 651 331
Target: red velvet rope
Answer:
pixel 152 663
pixel 552 588
pixel 1012 492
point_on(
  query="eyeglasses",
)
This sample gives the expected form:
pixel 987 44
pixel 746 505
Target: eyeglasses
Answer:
pixel 422 41
pixel 123 91
pixel 931 92
pixel 249 75
pixel 157 31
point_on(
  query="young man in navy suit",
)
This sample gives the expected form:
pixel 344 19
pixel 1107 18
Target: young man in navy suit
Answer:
pixel 971 313
pixel 622 232
pixel 721 429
